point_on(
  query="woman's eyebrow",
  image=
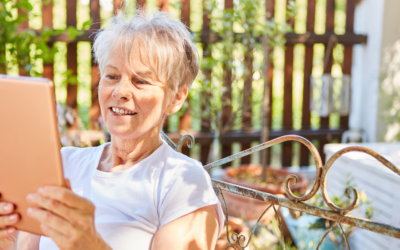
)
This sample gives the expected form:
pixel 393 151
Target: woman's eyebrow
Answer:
pixel 111 66
pixel 144 74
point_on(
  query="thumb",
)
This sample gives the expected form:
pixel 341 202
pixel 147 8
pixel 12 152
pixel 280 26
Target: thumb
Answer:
pixel 68 184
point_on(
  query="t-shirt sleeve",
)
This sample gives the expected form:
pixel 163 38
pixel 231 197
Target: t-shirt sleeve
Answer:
pixel 190 188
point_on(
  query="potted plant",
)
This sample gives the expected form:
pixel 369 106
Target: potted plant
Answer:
pixel 257 36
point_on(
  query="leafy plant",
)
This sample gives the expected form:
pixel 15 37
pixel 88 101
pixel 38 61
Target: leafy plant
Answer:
pixel 231 61
pixel 342 201
pixel 27 46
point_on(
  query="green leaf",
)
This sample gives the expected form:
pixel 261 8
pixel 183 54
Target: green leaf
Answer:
pixel 24 5
pixel 86 25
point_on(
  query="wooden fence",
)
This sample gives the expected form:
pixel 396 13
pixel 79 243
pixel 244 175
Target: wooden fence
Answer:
pixel 324 134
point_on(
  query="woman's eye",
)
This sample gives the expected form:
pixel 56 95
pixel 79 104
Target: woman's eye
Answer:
pixel 111 77
pixel 141 81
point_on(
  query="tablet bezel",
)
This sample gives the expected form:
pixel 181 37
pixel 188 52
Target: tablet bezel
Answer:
pixel 28 118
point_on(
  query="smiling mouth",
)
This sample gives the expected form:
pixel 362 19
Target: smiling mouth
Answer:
pixel 119 111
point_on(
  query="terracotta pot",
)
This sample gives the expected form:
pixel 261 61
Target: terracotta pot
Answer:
pixel 251 209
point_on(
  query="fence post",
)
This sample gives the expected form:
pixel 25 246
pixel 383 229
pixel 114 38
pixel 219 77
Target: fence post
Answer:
pixel 308 65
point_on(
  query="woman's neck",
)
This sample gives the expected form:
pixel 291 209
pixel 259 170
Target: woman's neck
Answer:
pixel 123 154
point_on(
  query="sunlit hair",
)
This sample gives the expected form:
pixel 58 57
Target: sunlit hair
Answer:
pixel 165 46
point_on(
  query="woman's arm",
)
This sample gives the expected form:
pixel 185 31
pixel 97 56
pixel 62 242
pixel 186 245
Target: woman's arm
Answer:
pixel 197 230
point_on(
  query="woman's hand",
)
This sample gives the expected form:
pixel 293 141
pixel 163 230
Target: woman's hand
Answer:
pixel 8 233
pixel 66 218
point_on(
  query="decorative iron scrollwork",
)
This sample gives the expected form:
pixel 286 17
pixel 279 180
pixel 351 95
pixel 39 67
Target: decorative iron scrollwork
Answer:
pixel 336 214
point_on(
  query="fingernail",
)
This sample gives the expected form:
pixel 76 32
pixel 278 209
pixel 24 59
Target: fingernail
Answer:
pixel 7 207
pixel 40 190
pixel 30 211
pixel 11 230
pixel 12 218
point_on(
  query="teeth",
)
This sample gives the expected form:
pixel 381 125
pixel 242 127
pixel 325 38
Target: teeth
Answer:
pixel 121 111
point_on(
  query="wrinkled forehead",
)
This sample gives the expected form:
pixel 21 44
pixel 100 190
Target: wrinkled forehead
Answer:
pixel 136 52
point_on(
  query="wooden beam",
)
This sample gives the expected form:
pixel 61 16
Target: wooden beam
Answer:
pixel 309 38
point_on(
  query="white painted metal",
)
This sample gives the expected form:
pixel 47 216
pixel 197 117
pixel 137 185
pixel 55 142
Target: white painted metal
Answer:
pixel 380 184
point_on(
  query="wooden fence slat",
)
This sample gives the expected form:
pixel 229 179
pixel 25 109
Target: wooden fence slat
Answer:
pixel 287 147
pixel 141 3
pixel 163 5
pixel 270 13
pixel 329 27
pixel 308 65
pixel 186 118
pixel 247 109
pixel 94 111
pixel 185 12
pixel 348 51
pixel 47 22
pixel 24 24
pixel 47 14
pixel 72 62
pixel 118 5
pixel 72 56
pixel 205 121
pixel 227 98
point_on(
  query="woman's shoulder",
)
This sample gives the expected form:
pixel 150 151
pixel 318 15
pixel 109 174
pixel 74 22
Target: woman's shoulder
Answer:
pixel 75 153
pixel 179 169
pixel 78 159
pixel 178 161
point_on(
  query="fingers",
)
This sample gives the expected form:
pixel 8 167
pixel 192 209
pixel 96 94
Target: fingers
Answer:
pixel 7 217
pixel 66 197
pixel 6 208
pixel 4 233
pixel 51 220
pixel 57 237
pixel 8 220
pixel 51 205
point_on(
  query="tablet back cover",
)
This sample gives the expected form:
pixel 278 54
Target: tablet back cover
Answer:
pixel 29 142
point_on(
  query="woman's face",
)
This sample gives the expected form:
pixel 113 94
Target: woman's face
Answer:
pixel 133 105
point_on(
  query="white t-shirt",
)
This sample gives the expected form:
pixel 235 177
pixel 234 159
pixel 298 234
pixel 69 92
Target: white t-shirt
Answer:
pixel 131 205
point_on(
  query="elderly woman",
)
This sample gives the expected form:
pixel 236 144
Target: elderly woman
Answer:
pixel 135 192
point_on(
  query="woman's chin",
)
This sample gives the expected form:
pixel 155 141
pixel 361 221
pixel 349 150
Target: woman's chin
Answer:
pixel 124 134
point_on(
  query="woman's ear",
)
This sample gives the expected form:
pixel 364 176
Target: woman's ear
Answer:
pixel 177 100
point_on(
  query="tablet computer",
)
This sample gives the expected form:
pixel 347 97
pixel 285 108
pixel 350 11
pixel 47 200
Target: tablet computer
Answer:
pixel 29 143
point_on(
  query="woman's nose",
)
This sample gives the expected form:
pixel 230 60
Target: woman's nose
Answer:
pixel 122 90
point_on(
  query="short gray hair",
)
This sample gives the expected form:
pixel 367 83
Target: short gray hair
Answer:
pixel 165 46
